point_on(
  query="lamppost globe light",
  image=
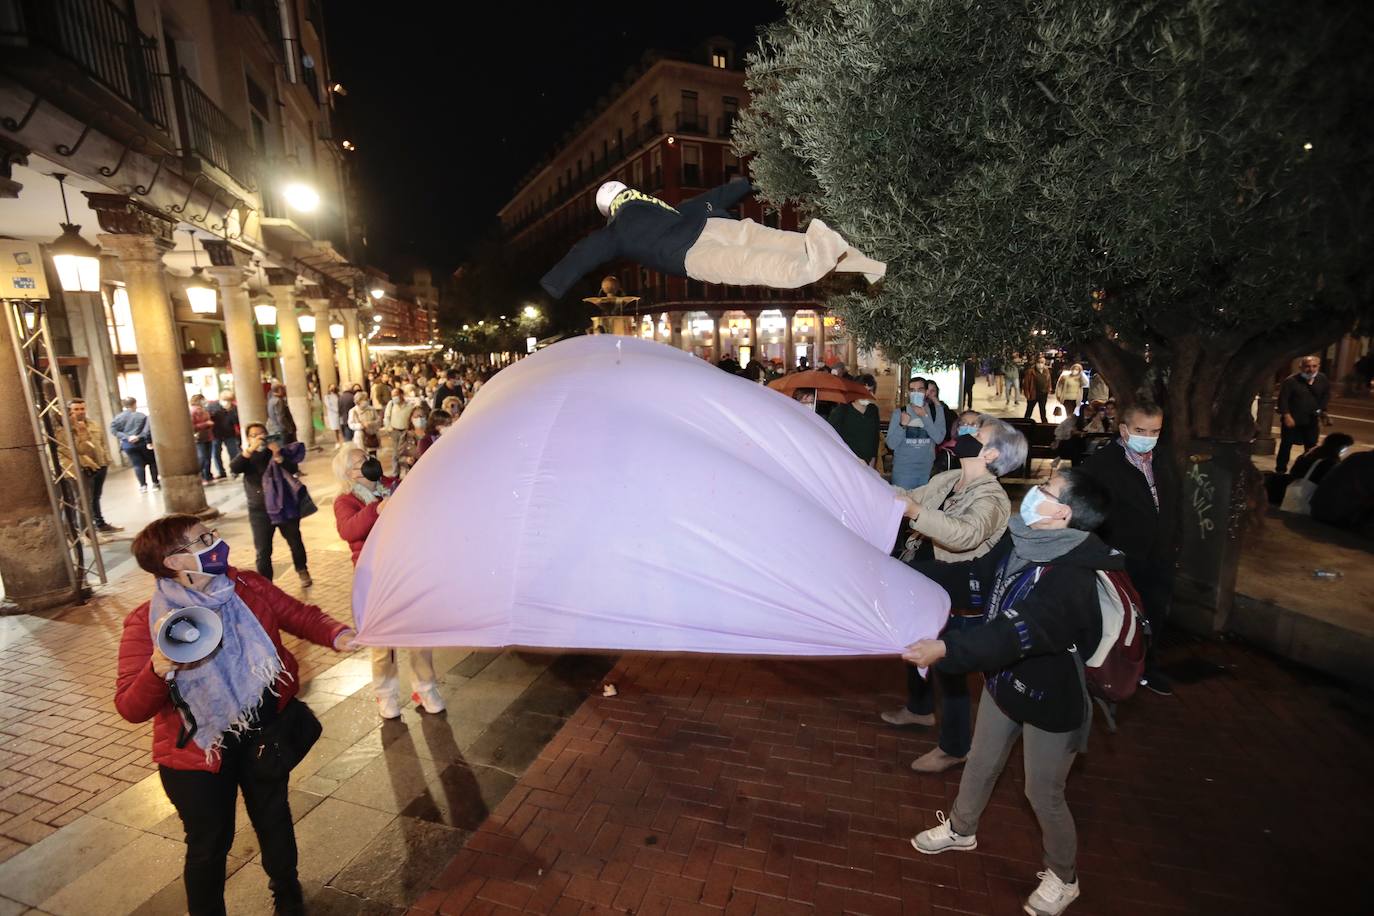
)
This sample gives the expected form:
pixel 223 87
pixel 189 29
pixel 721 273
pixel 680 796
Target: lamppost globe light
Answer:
pixel 531 312
pixel 376 292
pixel 377 319
pixel 301 197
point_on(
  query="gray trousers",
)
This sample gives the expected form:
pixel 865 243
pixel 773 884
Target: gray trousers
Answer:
pixel 1048 756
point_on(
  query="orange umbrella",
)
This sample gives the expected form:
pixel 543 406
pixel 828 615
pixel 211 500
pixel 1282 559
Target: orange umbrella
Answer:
pixel 828 387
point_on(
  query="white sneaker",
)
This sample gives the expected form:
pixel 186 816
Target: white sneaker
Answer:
pixel 942 839
pixel 389 706
pixel 142 489
pixel 1052 897
pixel 427 695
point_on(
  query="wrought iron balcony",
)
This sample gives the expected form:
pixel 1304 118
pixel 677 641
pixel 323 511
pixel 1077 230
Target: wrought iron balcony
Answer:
pixel 96 36
pixel 693 123
pixel 209 133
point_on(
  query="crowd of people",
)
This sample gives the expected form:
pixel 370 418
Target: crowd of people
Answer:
pixel 1021 577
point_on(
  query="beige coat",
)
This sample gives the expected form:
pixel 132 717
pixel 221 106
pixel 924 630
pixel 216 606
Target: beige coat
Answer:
pixel 89 449
pixel 970 523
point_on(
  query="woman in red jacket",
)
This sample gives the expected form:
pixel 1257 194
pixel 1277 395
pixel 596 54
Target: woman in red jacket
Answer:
pixel 363 493
pixel 222 701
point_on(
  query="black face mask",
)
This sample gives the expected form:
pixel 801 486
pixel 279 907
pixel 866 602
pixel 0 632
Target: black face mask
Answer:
pixel 967 446
pixel 371 469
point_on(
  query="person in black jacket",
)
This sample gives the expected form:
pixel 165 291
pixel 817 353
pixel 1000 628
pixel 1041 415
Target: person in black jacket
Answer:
pixel 858 423
pixel 224 414
pixel 1303 397
pixel 1145 495
pixel 699 239
pixel 1042 619
pixel 251 463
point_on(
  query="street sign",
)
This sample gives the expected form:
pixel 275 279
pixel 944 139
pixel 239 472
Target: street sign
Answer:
pixel 21 271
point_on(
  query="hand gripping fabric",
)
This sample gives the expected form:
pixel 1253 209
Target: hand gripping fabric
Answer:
pixel 616 493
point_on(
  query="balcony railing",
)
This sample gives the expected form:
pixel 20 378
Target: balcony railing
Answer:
pixel 693 123
pixel 208 132
pixel 101 40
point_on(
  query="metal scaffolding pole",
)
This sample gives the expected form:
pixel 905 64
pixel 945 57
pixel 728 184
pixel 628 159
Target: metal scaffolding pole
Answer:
pixel 45 395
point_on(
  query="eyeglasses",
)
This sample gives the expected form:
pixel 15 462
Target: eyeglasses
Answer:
pixel 205 540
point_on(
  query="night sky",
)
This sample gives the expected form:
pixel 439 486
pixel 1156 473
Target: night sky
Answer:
pixel 450 109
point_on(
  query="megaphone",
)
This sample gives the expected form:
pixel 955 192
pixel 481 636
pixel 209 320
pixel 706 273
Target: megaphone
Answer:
pixel 189 634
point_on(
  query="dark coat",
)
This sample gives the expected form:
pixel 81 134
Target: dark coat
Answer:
pixel 1025 646
pixel 647 231
pixel 251 467
pixel 1303 400
pixel 1134 526
pixel 858 429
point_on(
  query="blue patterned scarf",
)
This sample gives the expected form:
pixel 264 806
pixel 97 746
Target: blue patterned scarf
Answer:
pixel 225 690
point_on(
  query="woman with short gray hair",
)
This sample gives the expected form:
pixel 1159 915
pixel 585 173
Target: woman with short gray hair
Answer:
pixel 960 515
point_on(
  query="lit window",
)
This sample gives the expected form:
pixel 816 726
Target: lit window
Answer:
pixel 719 59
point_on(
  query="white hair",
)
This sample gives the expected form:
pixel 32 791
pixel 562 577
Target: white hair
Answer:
pixel 1009 442
pixel 343 459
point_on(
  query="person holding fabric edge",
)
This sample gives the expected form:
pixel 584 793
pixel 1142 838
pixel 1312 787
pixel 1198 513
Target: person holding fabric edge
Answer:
pixel 959 516
pixel 362 498
pixel 241 688
pixel 1042 612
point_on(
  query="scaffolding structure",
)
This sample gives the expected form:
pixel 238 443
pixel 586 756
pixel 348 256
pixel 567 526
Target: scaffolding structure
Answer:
pixel 46 398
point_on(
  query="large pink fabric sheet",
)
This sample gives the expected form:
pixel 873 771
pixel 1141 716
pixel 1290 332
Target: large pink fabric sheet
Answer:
pixel 616 493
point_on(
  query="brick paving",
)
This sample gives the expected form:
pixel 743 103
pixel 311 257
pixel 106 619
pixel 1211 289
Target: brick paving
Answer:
pixel 716 785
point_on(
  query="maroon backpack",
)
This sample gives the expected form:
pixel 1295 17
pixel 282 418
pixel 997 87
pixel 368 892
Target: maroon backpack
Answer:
pixel 1113 671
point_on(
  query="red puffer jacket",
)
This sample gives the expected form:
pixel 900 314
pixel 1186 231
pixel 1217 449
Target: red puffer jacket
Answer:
pixel 355 520
pixel 141 694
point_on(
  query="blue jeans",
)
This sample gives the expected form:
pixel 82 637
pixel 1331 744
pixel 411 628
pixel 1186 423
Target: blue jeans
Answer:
pixel 144 460
pixel 203 451
pixel 956 710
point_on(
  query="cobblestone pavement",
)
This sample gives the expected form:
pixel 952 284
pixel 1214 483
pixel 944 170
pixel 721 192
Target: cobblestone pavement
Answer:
pixel 745 786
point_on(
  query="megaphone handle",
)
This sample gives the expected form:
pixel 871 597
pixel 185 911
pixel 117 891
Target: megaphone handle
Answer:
pixel 188 718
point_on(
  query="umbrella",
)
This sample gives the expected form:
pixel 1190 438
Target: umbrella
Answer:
pixel 828 387
pixel 589 497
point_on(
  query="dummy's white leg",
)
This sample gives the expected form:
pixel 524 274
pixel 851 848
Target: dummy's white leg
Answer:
pixel 743 253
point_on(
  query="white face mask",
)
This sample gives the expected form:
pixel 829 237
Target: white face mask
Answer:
pixel 1030 506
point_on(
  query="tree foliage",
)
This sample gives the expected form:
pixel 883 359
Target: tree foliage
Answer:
pixel 1009 157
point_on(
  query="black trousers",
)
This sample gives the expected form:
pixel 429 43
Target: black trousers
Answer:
pixel 263 531
pixel 1039 400
pixel 1304 434
pixel 95 481
pixel 205 802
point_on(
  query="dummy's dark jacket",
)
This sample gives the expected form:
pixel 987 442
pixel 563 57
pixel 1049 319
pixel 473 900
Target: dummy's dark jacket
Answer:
pixel 1024 650
pixel 647 231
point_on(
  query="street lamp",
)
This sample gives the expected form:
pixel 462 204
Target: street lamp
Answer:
pixel 336 330
pixel 77 261
pixel 264 309
pixel 531 312
pixel 300 196
pixel 306 323
pixel 376 292
pixel 200 292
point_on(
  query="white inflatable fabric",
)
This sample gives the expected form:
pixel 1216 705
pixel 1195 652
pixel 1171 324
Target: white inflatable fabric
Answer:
pixel 617 493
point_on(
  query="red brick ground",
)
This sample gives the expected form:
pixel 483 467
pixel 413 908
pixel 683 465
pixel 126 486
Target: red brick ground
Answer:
pixel 716 785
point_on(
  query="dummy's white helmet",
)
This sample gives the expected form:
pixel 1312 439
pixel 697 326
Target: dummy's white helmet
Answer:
pixel 607 193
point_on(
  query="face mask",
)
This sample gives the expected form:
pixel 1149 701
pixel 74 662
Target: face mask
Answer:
pixel 966 446
pixel 1142 445
pixel 1030 506
pixel 418 422
pixel 967 430
pixel 371 469
pixel 214 560
pixel 1309 375
pixel 918 398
